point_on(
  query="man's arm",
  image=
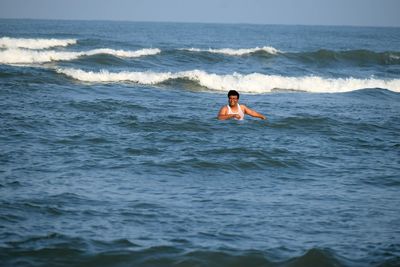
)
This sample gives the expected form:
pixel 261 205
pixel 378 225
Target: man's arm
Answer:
pixel 223 114
pixel 252 113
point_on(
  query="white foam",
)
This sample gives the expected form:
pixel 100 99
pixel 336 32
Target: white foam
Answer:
pixel 106 76
pixel 23 56
pixel 394 57
pixel 20 56
pixel 250 83
pixel 123 53
pixel 237 52
pixel 7 42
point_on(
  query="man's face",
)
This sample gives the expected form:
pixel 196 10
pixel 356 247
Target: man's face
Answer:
pixel 233 100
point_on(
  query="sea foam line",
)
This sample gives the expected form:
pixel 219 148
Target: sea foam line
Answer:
pixel 250 83
pixel 21 56
pixel 30 43
pixel 236 52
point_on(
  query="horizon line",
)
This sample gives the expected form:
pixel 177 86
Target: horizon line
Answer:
pixel 197 22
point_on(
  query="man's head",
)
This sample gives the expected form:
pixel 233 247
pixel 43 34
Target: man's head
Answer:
pixel 233 93
pixel 233 97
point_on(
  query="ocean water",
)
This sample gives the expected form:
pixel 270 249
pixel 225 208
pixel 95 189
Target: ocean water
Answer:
pixel 111 153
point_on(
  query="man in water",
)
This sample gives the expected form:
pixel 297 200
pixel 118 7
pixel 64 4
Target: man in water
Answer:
pixel 236 111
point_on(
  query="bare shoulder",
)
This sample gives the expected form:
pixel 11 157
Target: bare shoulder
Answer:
pixel 223 109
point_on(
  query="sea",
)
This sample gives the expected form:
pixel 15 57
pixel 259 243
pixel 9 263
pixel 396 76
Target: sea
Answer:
pixel 111 153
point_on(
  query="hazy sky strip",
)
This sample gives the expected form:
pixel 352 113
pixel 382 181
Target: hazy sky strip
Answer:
pixel 304 12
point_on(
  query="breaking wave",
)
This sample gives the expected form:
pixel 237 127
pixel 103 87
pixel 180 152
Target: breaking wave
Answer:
pixel 250 83
pixel 21 56
pixel 7 42
pixel 236 52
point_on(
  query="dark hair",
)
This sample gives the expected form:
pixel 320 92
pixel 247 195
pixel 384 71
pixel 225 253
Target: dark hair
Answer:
pixel 233 93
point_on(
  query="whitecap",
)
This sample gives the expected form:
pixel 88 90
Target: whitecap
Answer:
pixel 106 76
pixel 30 43
pixel 237 52
pixel 248 83
pixel 23 56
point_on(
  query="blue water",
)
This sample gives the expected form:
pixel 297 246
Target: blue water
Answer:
pixel 111 153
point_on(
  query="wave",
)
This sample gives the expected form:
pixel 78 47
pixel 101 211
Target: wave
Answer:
pixel 18 51
pixel 236 52
pixel 250 83
pixel 359 57
pixel 79 251
pixel 23 56
pixel 7 42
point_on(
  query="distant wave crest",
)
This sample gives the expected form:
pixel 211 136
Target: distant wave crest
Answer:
pixel 250 83
pixel 30 43
pixel 22 56
pixel 321 56
pixel 236 52
pixel 359 57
